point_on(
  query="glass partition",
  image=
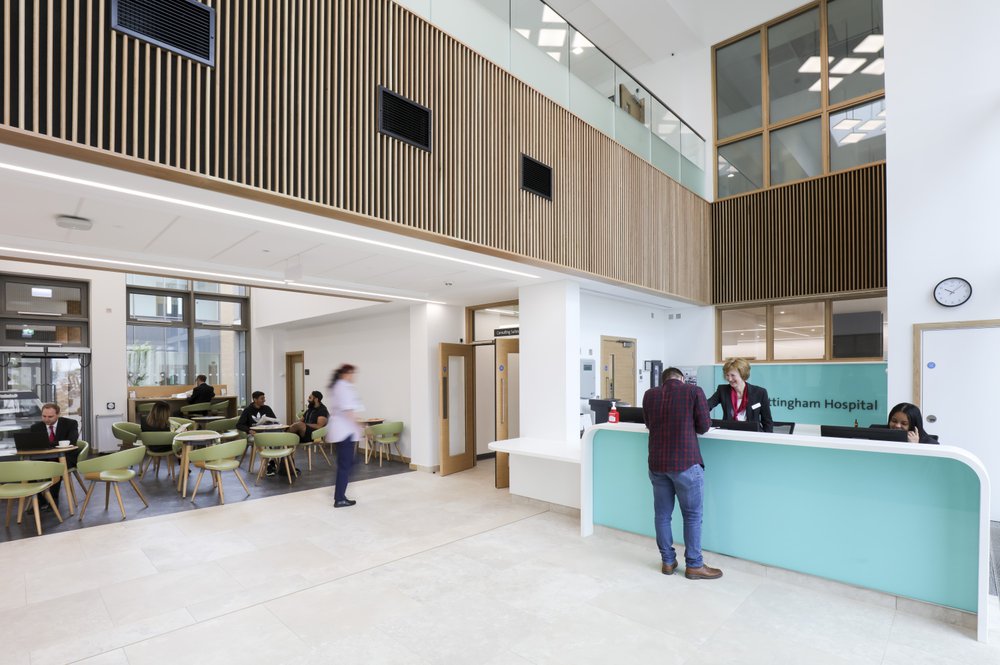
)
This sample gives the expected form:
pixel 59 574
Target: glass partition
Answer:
pixel 793 66
pixel 632 114
pixel 591 84
pixel 539 49
pixel 857 135
pixel 796 152
pixel 741 166
pixel 737 87
pixel 666 145
pixel 744 332
pixel 856 40
pixel 799 331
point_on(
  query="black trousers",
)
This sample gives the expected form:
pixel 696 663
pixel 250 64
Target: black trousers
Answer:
pixel 345 460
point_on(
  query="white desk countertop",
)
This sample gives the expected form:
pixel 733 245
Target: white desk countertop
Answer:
pixel 553 449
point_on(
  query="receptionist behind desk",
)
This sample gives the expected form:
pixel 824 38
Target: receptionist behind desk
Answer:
pixel 907 417
pixel 740 400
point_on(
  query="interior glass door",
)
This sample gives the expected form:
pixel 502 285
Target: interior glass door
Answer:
pixel 40 378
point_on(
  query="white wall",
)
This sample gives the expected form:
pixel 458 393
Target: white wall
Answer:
pixel 108 376
pixel 269 307
pixel 690 337
pixel 942 140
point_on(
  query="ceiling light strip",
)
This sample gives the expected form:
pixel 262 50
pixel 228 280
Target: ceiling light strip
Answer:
pixel 364 293
pixel 259 218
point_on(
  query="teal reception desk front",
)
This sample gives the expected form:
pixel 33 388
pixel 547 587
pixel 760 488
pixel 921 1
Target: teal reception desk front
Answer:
pixel 908 520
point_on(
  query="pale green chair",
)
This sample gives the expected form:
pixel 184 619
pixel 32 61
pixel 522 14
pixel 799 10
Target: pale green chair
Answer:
pixel 199 409
pixel 317 442
pixel 111 470
pixel 219 408
pixel 216 459
pixel 223 425
pixel 23 480
pixel 176 423
pixel 384 436
pixel 84 454
pixel 127 433
pixel 276 446
pixel 153 457
pixel 143 409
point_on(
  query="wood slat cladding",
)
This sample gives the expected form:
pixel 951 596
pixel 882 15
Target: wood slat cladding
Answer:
pixel 290 109
pixel 821 236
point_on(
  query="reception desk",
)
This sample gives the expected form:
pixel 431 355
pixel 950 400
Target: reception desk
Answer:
pixel 904 519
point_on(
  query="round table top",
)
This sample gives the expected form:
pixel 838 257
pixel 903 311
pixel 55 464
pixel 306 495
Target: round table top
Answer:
pixel 372 421
pixel 269 428
pixel 199 435
pixel 56 450
pixel 207 418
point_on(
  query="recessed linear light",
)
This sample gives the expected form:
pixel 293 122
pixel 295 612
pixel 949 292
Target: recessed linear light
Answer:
pixel 846 124
pixel 834 80
pixel 220 275
pixel 257 218
pixel 876 68
pixel 853 138
pixel 505 312
pixel 870 44
pixel 811 65
pixel 847 66
pixel 871 125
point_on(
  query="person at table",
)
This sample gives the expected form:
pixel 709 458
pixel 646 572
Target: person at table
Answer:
pixel 344 429
pixel 58 429
pixel 157 420
pixel 254 411
pixel 740 400
pixel 202 392
pixel 906 416
pixel 315 417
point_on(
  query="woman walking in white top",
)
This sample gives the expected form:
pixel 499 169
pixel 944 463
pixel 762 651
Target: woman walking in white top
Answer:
pixel 343 429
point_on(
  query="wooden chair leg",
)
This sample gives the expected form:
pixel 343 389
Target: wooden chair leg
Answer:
pixel 79 480
pixel 323 453
pixel 10 504
pixel 309 456
pixel 197 482
pixel 20 510
pixel 222 492
pixel 260 471
pixel 86 500
pixel 288 469
pixel 240 478
pixel 136 488
pixel 118 495
pixel 53 506
pixel 38 513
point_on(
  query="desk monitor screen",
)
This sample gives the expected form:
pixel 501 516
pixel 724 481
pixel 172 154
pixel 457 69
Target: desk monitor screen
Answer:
pixel 870 433
pixel 738 425
pixel 630 414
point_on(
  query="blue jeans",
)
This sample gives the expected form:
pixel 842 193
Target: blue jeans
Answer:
pixel 688 487
pixel 345 460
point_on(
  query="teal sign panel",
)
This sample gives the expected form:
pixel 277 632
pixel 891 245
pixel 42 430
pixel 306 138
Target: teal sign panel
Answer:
pixel 816 393
pixel 903 524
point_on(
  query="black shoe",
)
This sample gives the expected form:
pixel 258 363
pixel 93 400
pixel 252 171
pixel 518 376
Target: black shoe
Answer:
pixel 344 503
pixel 271 469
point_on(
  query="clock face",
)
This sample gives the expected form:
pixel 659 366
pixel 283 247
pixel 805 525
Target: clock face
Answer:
pixel 952 292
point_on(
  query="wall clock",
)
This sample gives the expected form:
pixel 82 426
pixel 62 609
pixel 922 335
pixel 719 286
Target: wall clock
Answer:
pixel 952 292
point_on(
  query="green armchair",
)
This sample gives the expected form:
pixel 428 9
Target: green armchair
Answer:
pixel 111 470
pixel 23 480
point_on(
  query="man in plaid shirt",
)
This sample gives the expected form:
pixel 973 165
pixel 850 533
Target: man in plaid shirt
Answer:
pixel 675 414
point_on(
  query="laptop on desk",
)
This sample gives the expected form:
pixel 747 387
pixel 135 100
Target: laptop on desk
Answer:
pixel 29 441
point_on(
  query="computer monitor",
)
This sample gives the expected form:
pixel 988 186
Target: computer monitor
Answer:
pixel 738 425
pixel 630 414
pixel 870 433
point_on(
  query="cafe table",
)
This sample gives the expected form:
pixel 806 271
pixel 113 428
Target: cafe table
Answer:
pixel 189 440
pixel 61 452
pixel 204 420
pixel 272 427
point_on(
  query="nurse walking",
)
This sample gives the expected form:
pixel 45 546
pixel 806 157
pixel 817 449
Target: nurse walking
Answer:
pixel 343 428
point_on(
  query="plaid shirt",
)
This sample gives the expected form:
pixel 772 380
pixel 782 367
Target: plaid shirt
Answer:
pixel 675 414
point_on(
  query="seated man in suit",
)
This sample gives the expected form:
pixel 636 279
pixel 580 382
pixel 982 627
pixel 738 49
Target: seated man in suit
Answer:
pixel 202 392
pixel 58 429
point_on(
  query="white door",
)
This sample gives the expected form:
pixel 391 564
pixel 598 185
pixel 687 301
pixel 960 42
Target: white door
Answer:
pixel 957 384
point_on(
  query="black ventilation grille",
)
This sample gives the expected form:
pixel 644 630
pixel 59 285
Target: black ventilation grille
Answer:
pixel 186 27
pixel 402 119
pixel 536 177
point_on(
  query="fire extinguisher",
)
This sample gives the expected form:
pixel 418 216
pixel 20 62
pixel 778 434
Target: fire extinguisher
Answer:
pixel 613 414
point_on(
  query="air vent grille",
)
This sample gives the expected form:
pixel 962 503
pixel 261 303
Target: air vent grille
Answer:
pixel 536 177
pixel 403 119
pixel 186 27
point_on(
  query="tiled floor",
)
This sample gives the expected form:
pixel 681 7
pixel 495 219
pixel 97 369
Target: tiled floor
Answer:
pixel 423 570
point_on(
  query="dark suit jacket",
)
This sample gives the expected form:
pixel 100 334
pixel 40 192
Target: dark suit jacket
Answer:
pixel 756 397
pixel 67 429
pixel 201 393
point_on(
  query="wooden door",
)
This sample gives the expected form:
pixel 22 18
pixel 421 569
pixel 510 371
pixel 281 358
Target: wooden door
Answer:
pixel 618 369
pixel 507 396
pixel 295 382
pixel 458 407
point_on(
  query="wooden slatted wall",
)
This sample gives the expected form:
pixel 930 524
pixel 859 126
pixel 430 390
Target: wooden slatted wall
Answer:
pixel 291 108
pixel 821 236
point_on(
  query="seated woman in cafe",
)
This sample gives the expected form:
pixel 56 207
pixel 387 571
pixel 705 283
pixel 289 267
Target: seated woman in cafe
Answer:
pixel 906 416
pixel 157 420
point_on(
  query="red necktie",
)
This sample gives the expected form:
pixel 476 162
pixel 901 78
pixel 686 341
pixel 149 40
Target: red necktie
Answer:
pixel 52 434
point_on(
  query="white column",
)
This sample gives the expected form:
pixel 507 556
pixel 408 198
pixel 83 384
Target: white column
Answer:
pixel 550 360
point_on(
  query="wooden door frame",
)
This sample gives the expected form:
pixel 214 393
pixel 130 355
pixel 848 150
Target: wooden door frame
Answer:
pixel 502 349
pixel 291 410
pixel 467 459
pixel 918 333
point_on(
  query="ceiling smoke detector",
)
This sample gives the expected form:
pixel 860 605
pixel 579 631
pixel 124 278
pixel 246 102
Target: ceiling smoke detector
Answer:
pixel 74 223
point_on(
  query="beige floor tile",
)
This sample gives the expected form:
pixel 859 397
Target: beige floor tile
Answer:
pixel 187 551
pixel 266 588
pixel 31 627
pixel 13 593
pixel 751 644
pixel 901 654
pixel 71 576
pixel 288 558
pixel 942 640
pixel 116 657
pixel 164 592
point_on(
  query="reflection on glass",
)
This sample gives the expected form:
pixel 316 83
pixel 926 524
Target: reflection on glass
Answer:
pixel 857 135
pixel 793 66
pixel 692 146
pixel 541 26
pixel 43 297
pixel 56 333
pixel 221 356
pixel 156 355
pixel 456 405
pixel 856 39
pixel 860 328
pixel 157 282
pixel 666 149
pixel 737 87
pixel 741 166
pixel 590 65
pixel 218 312
pixel 796 152
pixel 799 331
pixel 222 289
pixel 744 333
pixel 633 99
pixel 150 307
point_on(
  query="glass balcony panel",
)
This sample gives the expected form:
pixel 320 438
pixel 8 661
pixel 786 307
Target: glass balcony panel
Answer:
pixel 737 87
pixel 634 109
pixel 793 66
pixel 693 162
pixel 484 25
pixel 591 83
pixel 539 48
pixel 666 143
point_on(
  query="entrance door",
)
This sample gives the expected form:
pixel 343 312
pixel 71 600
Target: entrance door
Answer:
pixel 618 369
pixel 507 397
pixel 294 385
pixel 951 371
pixel 48 378
pixel 458 407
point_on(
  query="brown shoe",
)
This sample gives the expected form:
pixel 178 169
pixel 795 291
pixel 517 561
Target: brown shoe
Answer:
pixel 703 573
pixel 668 568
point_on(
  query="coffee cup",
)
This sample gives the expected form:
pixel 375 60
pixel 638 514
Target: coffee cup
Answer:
pixel 65 443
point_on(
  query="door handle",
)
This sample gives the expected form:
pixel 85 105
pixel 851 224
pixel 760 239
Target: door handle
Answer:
pixel 444 398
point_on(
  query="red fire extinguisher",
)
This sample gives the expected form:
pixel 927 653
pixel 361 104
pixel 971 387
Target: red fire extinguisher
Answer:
pixel 613 414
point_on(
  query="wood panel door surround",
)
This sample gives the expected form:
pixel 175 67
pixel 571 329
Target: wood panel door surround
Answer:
pixel 508 353
pixel 295 382
pixel 618 369
pixel 457 380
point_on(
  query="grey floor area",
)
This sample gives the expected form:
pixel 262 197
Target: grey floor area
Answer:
pixel 163 497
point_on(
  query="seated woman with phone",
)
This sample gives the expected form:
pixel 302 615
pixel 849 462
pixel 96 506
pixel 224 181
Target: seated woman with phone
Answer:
pixel 906 416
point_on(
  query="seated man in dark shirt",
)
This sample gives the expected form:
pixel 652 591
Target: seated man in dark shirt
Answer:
pixel 58 429
pixel 314 418
pixel 202 392
pixel 254 411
